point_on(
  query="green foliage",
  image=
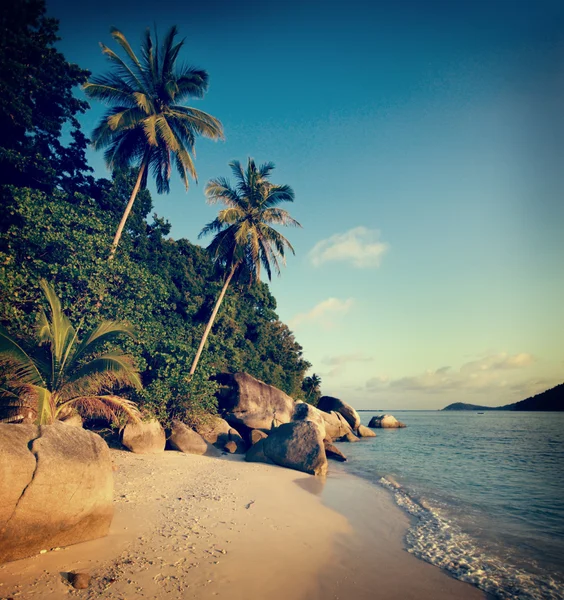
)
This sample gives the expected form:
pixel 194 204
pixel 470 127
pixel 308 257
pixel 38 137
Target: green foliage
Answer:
pixel 311 387
pixel 36 102
pixel 164 288
pixel 54 373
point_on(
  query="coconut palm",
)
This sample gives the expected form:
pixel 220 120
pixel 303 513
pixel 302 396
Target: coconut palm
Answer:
pixel 311 386
pixel 244 237
pixel 147 125
pixel 54 374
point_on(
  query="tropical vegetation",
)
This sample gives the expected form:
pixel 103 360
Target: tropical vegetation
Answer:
pixel 55 374
pixel 244 237
pixel 58 222
pixel 147 125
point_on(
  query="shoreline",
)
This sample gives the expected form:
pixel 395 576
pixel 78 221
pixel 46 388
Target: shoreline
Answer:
pixel 200 527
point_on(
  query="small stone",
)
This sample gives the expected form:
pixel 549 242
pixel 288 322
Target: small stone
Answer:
pixel 43 552
pixel 230 447
pixel 80 580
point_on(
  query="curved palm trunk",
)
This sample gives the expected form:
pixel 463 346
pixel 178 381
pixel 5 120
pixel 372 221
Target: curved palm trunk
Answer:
pixel 212 319
pixel 129 206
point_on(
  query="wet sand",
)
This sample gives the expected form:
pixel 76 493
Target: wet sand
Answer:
pixel 199 528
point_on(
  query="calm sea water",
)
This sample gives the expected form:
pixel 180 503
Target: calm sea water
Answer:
pixel 486 493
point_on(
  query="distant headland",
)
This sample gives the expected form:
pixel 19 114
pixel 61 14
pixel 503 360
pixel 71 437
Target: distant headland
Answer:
pixel 550 400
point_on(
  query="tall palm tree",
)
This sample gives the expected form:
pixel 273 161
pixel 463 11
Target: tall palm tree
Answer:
pixel 245 238
pixel 55 374
pixel 147 125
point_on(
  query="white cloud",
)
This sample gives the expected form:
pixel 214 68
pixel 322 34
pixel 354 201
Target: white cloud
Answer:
pixel 322 313
pixel 359 246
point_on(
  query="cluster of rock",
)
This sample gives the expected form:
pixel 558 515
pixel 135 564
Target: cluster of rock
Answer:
pixel 43 463
pixel 262 421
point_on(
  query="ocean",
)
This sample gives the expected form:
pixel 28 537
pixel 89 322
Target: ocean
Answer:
pixel 485 493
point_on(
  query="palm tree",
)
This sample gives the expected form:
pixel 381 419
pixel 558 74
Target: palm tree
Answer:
pixel 148 126
pixel 244 237
pixel 55 374
pixel 311 386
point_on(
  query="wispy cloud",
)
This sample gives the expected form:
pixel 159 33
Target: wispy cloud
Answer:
pixel 339 363
pixel 323 313
pixel 494 372
pixel 359 246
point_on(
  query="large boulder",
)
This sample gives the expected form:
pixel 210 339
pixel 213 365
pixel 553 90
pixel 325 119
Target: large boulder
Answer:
pixel 247 403
pixel 365 432
pixel 328 403
pixel 186 440
pixel 56 488
pixel 307 412
pixel 385 422
pixel 257 435
pixel 297 445
pixel 335 425
pixel 147 437
pixel 215 431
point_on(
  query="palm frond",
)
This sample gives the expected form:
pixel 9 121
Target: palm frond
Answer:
pixel 107 406
pixel 16 363
pixel 105 370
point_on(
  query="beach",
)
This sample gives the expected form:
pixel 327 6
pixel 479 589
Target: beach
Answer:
pixel 202 527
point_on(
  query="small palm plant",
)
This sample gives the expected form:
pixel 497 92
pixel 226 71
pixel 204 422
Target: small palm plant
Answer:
pixel 54 374
pixel 245 238
pixel 148 125
pixel 311 387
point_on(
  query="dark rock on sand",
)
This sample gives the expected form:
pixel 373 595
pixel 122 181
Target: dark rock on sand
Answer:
pixel 56 488
pixel 247 403
pixel 235 436
pixel 147 437
pixel 333 452
pixel 79 581
pixel 216 431
pixel 186 440
pixel 297 445
pixel 385 422
pixel 328 403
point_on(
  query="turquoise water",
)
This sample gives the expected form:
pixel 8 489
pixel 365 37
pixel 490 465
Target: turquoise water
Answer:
pixel 486 493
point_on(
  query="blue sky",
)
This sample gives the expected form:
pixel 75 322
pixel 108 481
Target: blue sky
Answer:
pixel 424 142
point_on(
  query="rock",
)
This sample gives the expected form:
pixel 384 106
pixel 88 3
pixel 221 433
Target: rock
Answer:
pixel 328 403
pixel 257 435
pixel 230 447
pixel 74 420
pixel 147 437
pixel 350 437
pixel 385 422
pixel 79 581
pixel 247 403
pixel 297 445
pixel 235 436
pixel 56 488
pixel 186 440
pixel 307 412
pixel 333 452
pixel 216 431
pixel 256 453
pixel 365 432
pixel 335 425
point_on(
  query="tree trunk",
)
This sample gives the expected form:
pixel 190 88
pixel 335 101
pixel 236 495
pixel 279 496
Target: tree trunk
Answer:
pixel 129 206
pixel 212 319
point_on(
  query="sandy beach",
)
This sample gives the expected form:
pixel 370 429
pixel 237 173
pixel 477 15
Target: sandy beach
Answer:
pixel 204 527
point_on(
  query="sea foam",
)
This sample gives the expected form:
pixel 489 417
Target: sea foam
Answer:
pixel 434 539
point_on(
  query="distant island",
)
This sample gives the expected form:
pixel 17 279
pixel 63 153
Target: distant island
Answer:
pixel 550 400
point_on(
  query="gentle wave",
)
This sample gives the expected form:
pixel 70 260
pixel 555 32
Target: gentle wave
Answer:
pixel 439 542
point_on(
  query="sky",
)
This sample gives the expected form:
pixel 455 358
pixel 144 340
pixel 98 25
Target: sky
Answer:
pixel 424 142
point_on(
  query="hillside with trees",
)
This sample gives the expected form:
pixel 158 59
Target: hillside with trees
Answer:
pixel 58 223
